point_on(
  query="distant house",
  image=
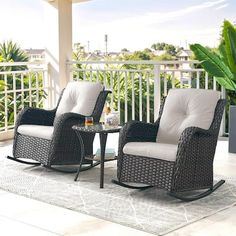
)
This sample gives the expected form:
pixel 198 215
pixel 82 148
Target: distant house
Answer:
pixel 97 55
pixel 35 55
pixel 185 55
pixel 94 56
pixel 114 54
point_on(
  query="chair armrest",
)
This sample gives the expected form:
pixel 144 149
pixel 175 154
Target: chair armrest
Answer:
pixel 190 131
pixel 189 134
pixel 37 116
pixel 196 148
pixel 70 117
pixel 66 121
pixel 141 131
pixel 63 127
pixel 137 131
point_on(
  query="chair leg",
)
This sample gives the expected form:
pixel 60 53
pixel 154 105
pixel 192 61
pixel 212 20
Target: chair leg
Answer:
pixel 24 162
pixel 198 196
pixel 130 186
pixel 74 170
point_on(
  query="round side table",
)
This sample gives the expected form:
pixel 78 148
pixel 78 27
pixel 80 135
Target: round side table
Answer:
pixel 103 131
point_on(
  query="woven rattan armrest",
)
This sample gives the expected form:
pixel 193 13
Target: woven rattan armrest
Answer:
pixel 63 127
pixel 137 131
pixel 141 130
pixel 68 117
pixel 35 116
pixel 190 131
pixel 202 131
pixel 192 142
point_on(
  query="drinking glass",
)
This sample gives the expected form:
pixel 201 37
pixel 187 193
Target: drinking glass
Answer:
pixel 88 121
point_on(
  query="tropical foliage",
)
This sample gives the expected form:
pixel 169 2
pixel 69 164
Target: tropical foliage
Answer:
pixel 169 48
pixel 11 52
pixel 18 87
pixel 221 65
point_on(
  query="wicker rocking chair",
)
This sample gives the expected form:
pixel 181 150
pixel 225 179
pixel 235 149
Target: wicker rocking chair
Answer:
pixel 176 152
pixel 46 136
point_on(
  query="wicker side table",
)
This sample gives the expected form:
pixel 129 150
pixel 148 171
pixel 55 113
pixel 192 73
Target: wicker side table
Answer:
pixel 103 131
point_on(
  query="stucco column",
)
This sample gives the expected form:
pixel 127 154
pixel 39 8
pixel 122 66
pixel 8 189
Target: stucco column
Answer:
pixel 58 44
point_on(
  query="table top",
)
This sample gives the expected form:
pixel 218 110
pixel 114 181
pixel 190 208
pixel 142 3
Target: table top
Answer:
pixel 96 128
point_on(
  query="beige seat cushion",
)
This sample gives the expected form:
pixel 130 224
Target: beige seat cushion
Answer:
pixel 39 131
pixel 161 151
pixel 184 108
pixel 79 97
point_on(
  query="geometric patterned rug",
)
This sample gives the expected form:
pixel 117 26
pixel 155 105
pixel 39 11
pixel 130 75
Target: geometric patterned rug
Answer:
pixel 150 210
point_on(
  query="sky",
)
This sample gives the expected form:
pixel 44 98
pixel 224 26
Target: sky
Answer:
pixel 131 24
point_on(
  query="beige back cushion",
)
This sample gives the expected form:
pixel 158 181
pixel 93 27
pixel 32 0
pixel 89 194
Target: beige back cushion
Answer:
pixel 79 97
pixel 184 108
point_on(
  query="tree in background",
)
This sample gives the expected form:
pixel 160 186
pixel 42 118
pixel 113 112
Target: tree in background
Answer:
pixel 78 52
pixel 170 53
pixel 124 50
pixel 158 46
pixel 147 50
pixel 136 56
pixel 169 48
pixel 165 57
pixel 11 52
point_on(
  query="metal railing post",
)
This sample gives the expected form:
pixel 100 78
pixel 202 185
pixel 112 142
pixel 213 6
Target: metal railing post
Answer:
pixel 47 103
pixel 69 70
pixel 223 124
pixel 157 89
pixel 22 90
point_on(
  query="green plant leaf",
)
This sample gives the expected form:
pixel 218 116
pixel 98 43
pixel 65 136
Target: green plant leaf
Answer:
pixel 229 34
pixel 225 83
pixel 213 64
pixel 223 54
pixel 2 85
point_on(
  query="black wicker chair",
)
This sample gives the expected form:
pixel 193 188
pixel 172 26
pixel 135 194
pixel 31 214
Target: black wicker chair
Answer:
pixel 190 167
pixel 62 147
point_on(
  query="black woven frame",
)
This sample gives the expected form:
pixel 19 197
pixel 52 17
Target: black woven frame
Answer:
pixel 193 168
pixel 64 147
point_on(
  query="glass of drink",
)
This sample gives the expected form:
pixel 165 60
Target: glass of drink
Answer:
pixel 88 121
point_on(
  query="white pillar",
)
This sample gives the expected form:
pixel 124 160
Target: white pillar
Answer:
pixel 58 44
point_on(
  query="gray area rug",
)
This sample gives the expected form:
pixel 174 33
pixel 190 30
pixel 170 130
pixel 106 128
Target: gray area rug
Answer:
pixel 151 210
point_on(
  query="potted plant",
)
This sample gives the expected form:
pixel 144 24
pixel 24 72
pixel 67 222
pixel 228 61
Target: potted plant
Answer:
pixel 222 65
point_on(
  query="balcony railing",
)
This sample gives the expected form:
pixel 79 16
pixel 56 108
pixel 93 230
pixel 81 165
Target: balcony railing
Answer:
pixel 21 85
pixel 137 86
